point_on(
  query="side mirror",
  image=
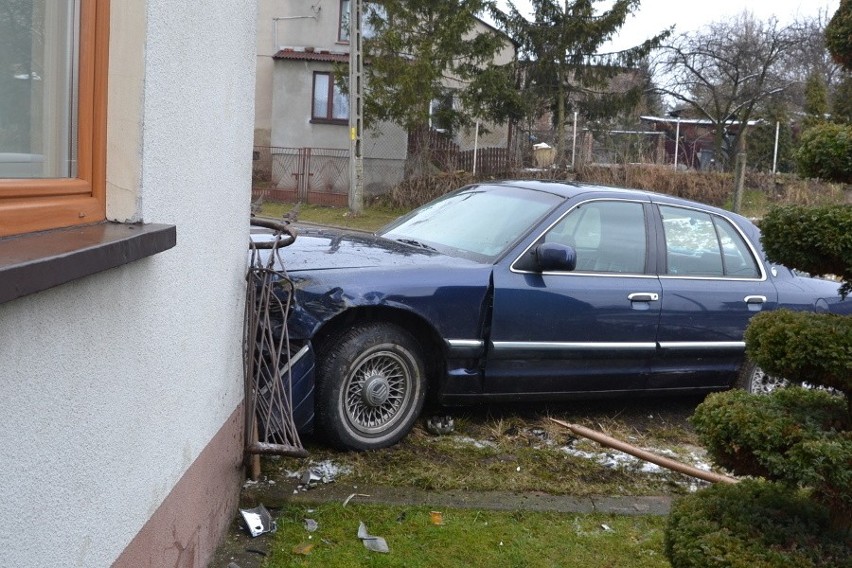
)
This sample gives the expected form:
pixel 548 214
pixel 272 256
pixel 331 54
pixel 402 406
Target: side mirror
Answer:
pixel 554 257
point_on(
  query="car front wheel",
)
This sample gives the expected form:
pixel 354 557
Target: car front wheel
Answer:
pixel 755 380
pixel 370 386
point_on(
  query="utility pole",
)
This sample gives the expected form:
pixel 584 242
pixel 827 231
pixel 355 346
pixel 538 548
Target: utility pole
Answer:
pixel 356 109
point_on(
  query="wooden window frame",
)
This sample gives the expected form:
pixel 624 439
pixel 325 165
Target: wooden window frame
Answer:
pixel 28 205
pixel 328 115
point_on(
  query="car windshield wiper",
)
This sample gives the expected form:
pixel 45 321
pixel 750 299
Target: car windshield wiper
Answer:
pixel 417 244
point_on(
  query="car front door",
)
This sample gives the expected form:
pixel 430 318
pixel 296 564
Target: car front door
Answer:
pixel 592 329
pixel 712 285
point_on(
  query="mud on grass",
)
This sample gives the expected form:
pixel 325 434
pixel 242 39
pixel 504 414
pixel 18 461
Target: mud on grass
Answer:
pixel 513 449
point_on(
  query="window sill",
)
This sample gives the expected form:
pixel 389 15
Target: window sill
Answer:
pixel 34 262
pixel 338 122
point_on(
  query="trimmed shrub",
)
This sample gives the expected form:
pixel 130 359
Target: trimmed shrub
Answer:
pixel 803 347
pixel 754 435
pixel 825 152
pixel 753 524
pixel 817 240
pixel 795 436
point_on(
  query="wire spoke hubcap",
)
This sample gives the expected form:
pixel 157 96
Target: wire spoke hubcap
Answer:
pixel 378 389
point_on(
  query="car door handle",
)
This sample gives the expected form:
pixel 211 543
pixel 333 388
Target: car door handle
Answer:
pixel 643 297
pixel 754 299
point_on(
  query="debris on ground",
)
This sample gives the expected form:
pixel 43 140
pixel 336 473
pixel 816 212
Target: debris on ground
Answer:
pixel 311 525
pixel 353 495
pixel 437 517
pixel 374 543
pixel 316 474
pixel 440 425
pixel 303 549
pixel 258 521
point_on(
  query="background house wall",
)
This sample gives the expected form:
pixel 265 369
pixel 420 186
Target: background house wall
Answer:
pixel 122 391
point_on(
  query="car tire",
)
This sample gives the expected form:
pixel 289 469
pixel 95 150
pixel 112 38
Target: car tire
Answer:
pixel 755 380
pixel 371 385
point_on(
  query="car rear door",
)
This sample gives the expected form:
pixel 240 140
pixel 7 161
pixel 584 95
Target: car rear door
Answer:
pixel 589 330
pixel 712 285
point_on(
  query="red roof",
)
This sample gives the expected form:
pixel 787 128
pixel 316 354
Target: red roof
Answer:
pixel 309 54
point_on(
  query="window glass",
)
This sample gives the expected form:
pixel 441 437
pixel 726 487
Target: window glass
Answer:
pixel 370 9
pixel 329 103
pixel 700 244
pixel 609 236
pixel 53 99
pixel 321 81
pixel 738 259
pixel 38 90
pixel 481 222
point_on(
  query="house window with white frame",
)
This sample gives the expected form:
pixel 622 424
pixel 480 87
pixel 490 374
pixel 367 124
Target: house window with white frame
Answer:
pixel 330 105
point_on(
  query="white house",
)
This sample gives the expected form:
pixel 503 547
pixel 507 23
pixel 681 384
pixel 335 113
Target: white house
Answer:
pixel 304 116
pixel 122 264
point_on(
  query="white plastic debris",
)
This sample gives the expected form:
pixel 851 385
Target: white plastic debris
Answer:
pixel 258 520
pixel 374 543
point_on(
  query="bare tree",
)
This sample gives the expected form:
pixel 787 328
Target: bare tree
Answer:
pixel 724 72
pixel 807 58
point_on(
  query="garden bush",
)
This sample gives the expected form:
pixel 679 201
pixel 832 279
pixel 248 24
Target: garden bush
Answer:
pixel 753 524
pixel 825 152
pixel 817 240
pixel 823 347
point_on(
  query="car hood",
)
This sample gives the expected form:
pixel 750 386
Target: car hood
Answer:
pixel 333 249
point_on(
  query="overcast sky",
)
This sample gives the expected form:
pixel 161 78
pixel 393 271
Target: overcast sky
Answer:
pixel 654 16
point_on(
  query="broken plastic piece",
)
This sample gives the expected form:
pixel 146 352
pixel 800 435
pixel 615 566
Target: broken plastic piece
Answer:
pixel 311 477
pixel 311 525
pixel 374 543
pixel 258 520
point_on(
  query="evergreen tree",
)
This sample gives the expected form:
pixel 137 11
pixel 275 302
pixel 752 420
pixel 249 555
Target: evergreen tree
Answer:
pixel 428 50
pixel 841 108
pixel 838 35
pixel 816 99
pixel 760 144
pixel 561 63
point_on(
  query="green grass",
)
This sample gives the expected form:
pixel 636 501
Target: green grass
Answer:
pixel 372 218
pixel 466 538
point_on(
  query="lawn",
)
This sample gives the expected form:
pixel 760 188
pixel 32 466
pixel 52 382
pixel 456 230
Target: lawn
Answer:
pixel 371 219
pixel 465 538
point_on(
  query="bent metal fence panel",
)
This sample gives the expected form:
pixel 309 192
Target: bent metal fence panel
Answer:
pixel 269 426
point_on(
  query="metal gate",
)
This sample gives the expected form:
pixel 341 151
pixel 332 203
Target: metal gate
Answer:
pixel 309 175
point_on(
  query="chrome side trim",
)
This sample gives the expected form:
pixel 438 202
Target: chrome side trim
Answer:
pixel 295 359
pixel 465 343
pixel 503 346
pixel 465 348
pixel 675 345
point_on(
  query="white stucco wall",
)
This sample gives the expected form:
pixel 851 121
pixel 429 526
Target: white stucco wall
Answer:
pixel 112 385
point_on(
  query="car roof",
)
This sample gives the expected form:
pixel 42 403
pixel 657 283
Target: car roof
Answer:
pixel 570 189
pixel 567 189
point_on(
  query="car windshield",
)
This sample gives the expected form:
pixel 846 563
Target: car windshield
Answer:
pixel 481 221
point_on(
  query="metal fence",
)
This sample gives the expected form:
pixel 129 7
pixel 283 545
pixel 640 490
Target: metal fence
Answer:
pixel 321 175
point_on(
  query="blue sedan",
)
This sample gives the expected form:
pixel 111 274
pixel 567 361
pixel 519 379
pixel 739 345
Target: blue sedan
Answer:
pixel 527 291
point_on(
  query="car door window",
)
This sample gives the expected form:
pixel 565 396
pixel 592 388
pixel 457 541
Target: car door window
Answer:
pixel 700 244
pixel 609 236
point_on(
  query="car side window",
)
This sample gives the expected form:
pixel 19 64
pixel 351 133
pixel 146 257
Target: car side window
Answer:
pixel 700 244
pixel 609 236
